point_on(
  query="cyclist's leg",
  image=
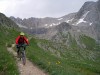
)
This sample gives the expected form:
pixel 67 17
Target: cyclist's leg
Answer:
pixel 24 48
pixel 18 49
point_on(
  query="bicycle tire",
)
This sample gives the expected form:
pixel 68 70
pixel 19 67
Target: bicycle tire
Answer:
pixel 23 57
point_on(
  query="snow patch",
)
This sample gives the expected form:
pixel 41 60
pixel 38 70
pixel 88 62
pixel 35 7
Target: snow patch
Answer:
pixel 21 26
pixel 60 18
pixel 90 24
pixel 85 14
pixel 52 24
pixel 82 19
pixel 69 20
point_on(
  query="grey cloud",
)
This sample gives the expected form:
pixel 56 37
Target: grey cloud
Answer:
pixel 44 8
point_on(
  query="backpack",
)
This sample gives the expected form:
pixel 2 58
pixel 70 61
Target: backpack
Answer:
pixel 21 40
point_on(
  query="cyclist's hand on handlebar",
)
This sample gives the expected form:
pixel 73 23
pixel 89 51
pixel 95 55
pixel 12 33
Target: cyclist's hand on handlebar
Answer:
pixel 17 45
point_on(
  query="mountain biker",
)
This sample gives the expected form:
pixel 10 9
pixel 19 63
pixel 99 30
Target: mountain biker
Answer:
pixel 21 40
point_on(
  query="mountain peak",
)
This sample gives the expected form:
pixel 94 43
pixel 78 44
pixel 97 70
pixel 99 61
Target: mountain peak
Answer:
pixel 5 21
pixel 87 6
pixel 98 4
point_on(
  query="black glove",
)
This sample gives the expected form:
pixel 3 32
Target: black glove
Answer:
pixel 17 45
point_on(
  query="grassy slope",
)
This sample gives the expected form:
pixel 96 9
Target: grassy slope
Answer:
pixel 62 61
pixel 7 61
pixel 71 61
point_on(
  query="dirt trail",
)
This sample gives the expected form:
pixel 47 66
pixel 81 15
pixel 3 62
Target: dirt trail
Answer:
pixel 29 68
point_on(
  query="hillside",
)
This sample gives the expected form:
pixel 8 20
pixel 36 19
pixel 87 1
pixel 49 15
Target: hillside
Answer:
pixel 58 59
pixel 7 35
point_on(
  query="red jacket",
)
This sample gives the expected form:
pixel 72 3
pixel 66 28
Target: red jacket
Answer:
pixel 21 40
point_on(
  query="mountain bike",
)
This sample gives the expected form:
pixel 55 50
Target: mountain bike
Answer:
pixel 22 54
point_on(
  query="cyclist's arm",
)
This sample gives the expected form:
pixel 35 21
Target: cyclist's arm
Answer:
pixel 26 40
pixel 17 40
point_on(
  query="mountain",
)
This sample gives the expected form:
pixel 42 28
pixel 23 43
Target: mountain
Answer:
pixel 87 19
pixel 5 21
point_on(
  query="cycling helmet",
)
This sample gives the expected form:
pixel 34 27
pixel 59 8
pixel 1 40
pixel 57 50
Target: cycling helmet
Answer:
pixel 22 33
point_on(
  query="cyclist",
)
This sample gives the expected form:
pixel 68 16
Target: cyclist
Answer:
pixel 21 40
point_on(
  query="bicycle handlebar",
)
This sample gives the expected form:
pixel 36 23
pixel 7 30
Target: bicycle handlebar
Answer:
pixel 22 45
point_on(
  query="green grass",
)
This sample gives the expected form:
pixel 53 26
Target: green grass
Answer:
pixel 88 42
pixel 7 61
pixel 70 62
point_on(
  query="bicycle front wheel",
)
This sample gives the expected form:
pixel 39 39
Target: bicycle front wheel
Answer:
pixel 23 57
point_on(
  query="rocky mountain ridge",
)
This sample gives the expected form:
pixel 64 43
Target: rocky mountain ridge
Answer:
pixel 32 23
pixel 86 21
pixel 6 22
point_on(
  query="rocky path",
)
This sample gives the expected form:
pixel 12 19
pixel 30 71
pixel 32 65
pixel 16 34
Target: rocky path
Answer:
pixel 29 68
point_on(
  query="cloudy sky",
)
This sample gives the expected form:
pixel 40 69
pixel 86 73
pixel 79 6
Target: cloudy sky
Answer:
pixel 40 8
